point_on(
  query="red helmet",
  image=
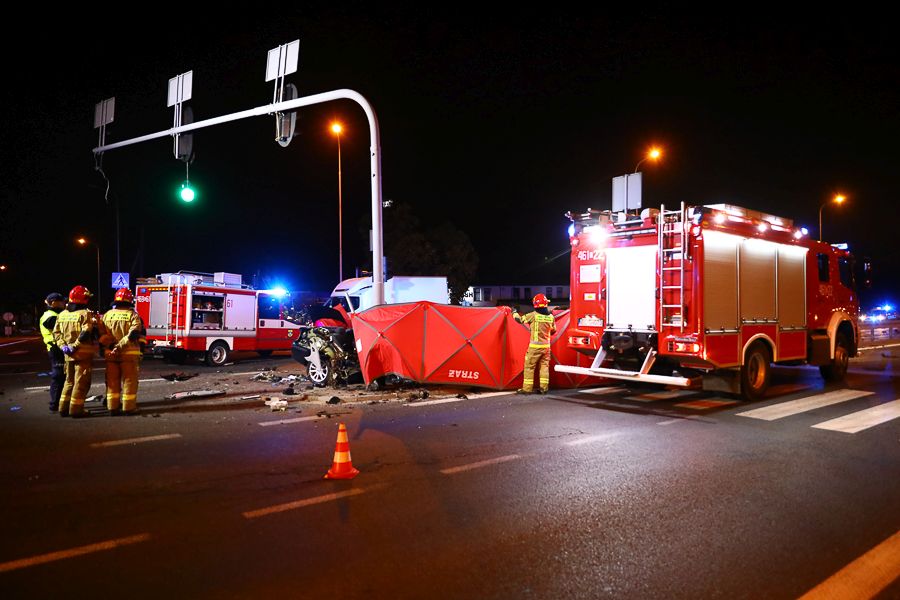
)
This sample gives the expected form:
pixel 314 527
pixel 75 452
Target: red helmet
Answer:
pixel 123 295
pixel 79 295
pixel 540 301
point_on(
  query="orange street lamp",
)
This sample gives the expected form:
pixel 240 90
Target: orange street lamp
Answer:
pixel 838 199
pixel 653 154
pixel 337 129
pixel 2 267
pixel 84 242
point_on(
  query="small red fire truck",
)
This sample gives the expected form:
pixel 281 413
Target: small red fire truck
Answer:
pixel 210 315
pixel 707 295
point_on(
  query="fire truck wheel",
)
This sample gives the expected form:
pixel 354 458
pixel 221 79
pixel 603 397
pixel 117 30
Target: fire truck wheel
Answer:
pixel 217 355
pixel 838 367
pixel 755 372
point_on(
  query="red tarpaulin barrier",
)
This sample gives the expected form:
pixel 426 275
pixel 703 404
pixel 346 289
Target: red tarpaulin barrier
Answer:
pixel 439 343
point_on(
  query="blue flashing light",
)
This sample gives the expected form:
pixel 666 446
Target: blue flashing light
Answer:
pixel 572 230
pixel 279 292
pixel 804 231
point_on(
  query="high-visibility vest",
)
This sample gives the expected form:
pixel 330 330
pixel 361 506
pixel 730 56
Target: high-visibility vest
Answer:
pixel 47 327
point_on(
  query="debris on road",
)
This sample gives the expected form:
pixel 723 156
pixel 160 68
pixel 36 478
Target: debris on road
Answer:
pixel 14 408
pixel 180 376
pixel 462 396
pixel 276 404
pixel 289 390
pixel 195 394
pixel 254 397
pixel 334 400
pixel 97 398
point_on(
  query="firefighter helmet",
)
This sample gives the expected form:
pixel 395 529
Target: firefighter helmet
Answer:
pixel 123 295
pixel 79 295
pixel 540 301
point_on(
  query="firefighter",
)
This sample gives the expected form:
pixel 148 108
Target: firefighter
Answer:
pixel 55 302
pixel 121 338
pixel 542 325
pixel 75 333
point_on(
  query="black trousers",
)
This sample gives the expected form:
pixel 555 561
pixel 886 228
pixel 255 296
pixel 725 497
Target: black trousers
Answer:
pixel 57 376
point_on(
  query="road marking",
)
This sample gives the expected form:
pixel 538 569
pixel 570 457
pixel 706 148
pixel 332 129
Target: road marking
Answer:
pixel 654 396
pixel 706 404
pixel 865 577
pixel 863 419
pixel 71 553
pixel 438 401
pixel 8 364
pixel 261 512
pixel 138 440
pixel 478 465
pixel 793 407
pixel 591 439
pixel 601 390
pixel 18 342
pixel 286 421
pixel 17 352
pixel 44 388
pixel 671 421
pixel 492 394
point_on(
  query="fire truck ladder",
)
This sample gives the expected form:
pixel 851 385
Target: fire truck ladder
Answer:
pixel 174 314
pixel 672 254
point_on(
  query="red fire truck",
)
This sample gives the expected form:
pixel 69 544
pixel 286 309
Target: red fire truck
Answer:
pixel 707 295
pixel 209 315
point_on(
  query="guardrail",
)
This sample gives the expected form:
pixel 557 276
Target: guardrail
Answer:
pixel 879 334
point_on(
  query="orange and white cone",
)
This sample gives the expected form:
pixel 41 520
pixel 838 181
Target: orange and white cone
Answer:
pixel 342 467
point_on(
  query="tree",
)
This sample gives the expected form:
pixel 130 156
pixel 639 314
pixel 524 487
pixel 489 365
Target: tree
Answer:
pixel 440 250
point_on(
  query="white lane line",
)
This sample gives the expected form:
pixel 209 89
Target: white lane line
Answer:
pixel 793 407
pixel 18 342
pixel 706 404
pixel 478 465
pixel 286 421
pixel 9 364
pixel 438 401
pixel 863 419
pixel 72 552
pixel 601 390
pixel 492 394
pixel 671 421
pixel 654 396
pixel 137 440
pixel 593 438
pixel 261 512
pixel 865 577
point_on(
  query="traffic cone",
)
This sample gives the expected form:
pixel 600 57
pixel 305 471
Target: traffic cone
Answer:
pixel 342 467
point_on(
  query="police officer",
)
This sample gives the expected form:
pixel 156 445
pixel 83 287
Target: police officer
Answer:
pixel 543 326
pixel 55 302
pixel 76 333
pixel 122 332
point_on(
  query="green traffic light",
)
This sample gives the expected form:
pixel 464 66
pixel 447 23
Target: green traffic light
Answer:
pixel 187 192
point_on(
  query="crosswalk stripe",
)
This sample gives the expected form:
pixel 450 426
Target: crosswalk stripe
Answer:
pixel 863 419
pixel 793 407
pixel 600 391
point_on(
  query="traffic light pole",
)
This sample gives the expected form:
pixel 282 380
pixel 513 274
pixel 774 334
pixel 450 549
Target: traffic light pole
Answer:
pixel 269 109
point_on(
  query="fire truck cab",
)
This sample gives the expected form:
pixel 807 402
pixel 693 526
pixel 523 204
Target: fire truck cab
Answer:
pixel 707 295
pixel 209 315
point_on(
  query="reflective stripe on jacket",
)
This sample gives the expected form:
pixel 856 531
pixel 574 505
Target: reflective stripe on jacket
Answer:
pixel 122 329
pixel 542 328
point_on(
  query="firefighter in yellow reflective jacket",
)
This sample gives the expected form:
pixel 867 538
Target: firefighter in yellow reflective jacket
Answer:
pixel 122 331
pixel 75 333
pixel 543 326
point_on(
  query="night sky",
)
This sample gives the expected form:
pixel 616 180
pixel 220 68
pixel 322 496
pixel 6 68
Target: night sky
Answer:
pixel 496 122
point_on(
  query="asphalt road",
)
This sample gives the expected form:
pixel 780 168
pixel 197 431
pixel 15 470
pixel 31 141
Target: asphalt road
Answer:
pixel 620 493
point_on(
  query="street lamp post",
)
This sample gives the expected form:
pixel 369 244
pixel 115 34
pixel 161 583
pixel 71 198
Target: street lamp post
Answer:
pixel 653 154
pixel 337 129
pixel 84 242
pixel 838 199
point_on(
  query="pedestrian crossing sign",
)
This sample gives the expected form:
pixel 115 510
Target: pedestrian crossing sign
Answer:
pixel 119 280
